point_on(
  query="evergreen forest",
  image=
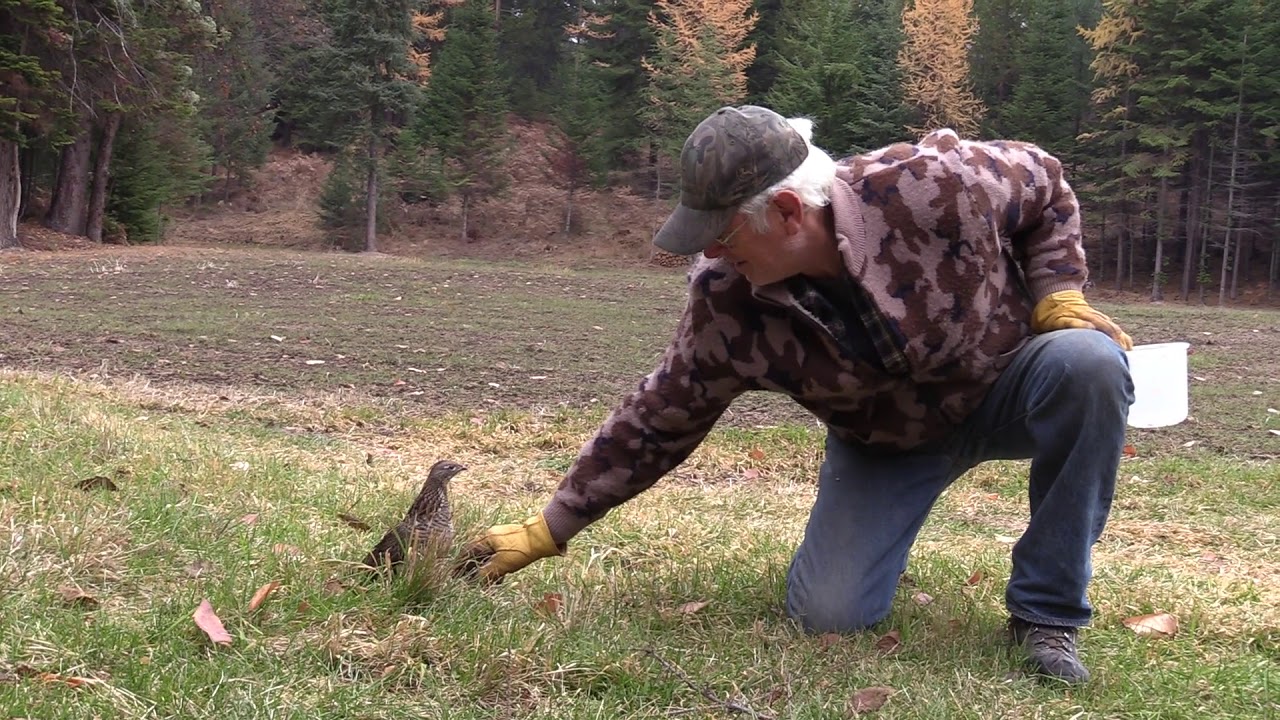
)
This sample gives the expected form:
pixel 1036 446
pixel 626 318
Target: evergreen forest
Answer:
pixel 1166 112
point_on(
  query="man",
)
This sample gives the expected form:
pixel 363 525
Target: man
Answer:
pixel 924 301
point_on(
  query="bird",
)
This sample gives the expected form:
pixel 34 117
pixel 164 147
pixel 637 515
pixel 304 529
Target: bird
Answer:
pixel 427 528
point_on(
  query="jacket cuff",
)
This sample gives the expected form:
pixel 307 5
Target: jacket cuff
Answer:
pixel 1045 288
pixel 562 522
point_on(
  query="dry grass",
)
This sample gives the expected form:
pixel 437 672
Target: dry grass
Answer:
pixel 228 481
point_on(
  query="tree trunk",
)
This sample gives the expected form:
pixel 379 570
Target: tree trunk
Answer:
pixel 371 198
pixel 1202 266
pixel 466 208
pixel 1231 181
pixel 68 210
pixel 1191 230
pixel 10 194
pixel 101 174
pixel 568 210
pixel 1274 274
pixel 1157 273
pixel 1235 266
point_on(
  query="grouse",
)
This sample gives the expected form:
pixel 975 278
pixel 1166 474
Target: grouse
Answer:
pixel 427 529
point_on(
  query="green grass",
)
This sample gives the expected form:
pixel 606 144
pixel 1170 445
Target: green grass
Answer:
pixel 227 481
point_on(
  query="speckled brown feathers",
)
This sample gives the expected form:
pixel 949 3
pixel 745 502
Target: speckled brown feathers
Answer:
pixel 427 528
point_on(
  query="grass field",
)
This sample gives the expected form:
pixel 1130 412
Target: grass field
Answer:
pixel 228 406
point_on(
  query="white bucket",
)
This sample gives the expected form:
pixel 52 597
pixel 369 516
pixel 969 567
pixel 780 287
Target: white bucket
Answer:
pixel 1159 384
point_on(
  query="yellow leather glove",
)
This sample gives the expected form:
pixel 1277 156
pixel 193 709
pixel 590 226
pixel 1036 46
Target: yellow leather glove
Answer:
pixel 1067 309
pixel 504 549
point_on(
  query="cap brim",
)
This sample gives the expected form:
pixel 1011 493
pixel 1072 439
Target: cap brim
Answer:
pixel 688 231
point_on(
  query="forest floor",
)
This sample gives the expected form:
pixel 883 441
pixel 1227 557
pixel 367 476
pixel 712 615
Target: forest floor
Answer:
pixel 181 424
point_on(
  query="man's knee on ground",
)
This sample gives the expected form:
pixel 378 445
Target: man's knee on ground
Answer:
pixel 836 610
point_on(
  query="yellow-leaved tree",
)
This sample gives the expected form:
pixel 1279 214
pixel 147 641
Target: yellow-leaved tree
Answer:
pixel 699 63
pixel 935 64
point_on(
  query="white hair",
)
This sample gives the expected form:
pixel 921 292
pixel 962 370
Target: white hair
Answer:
pixel 811 181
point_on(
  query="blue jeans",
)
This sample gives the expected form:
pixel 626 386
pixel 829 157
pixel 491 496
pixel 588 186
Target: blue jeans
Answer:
pixel 1063 403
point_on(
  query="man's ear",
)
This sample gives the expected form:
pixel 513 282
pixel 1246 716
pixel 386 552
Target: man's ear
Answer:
pixel 790 207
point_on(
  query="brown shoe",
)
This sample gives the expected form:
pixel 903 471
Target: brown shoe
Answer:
pixel 1051 650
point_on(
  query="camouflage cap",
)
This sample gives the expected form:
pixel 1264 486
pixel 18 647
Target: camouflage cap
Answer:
pixel 733 155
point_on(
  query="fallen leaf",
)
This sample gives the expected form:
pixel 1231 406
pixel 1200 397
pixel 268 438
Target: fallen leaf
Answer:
pixel 208 621
pixel 690 608
pixel 1006 539
pixel 263 593
pixel 76 596
pixel 67 680
pixel 975 578
pixel 304 607
pixel 250 519
pixel 826 640
pixel 198 568
pixel 923 598
pixel 277 338
pixel 750 474
pixel 1130 451
pixel 1190 443
pixel 1273 411
pixel 869 699
pixel 550 604
pixel 286 549
pixel 97 482
pixel 890 642
pixel 1157 624
pixel 1274 432
pixel 354 521
pixel 334 586
pixel 756 454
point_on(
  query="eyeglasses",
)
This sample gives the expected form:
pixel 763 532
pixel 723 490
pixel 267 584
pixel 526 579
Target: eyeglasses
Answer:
pixel 724 241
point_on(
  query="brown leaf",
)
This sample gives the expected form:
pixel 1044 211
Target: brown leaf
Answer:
pixel 67 680
pixel 76 596
pixel 354 522
pixel 890 642
pixel 975 578
pixel 1130 451
pixel 826 640
pixel 97 482
pixel 869 699
pixel 756 454
pixel 250 519
pixel 690 608
pixel 334 586
pixel 286 549
pixel 550 604
pixel 1156 624
pixel 198 568
pixel 263 593
pixel 208 621
pixel 750 474
pixel 923 598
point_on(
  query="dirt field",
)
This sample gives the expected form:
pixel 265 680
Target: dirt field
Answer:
pixel 467 336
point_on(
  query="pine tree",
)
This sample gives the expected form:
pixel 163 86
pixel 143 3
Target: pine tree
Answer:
pixel 234 87
pixel 463 116
pixel 582 156
pixel 1048 98
pixel 365 86
pixel 699 64
pixel 531 41
pixel 31 94
pixel 838 66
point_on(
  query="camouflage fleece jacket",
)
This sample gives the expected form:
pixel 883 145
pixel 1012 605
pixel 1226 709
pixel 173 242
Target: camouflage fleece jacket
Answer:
pixel 950 243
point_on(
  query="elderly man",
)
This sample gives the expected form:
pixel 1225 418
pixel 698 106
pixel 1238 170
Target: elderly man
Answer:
pixel 924 301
